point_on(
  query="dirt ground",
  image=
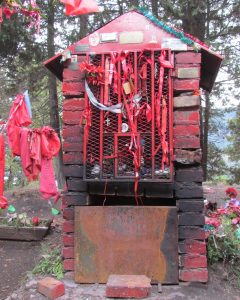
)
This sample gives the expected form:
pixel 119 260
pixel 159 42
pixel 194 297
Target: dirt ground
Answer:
pixel 18 258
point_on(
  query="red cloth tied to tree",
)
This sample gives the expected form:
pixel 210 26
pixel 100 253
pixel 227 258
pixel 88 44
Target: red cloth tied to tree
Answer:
pixel 50 145
pixel 18 117
pixel 2 156
pixel 80 7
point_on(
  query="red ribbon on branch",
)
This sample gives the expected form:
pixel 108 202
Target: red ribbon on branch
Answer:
pixel 80 7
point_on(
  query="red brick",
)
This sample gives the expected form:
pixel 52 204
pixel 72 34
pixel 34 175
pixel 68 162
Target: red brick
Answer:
pixel 190 142
pixel 72 146
pixel 72 131
pixel 186 117
pixel 190 275
pixel 186 101
pixel 68 252
pixel 68 214
pixel 72 158
pixel 51 288
pixel 191 232
pixel 187 157
pixel 72 117
pixel 185 84
pixel 128 286
pixel 187 70
pixel 73 104
pixel 76 185
pixel 188 57
pixel 68 239
pixel 68 264
pixel 193 261
pixel 73 171
pixel 75 198
pixel 68 226
pixel 73 88
pixel 72 75
pixel 192 246
pixel 186 130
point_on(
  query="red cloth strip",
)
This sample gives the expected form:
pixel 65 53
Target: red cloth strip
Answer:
pixel 2 165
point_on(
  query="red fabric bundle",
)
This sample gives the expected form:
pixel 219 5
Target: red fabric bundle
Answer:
pixel 50 143
pixel 18 117
pixel 80 7
pixel 2 156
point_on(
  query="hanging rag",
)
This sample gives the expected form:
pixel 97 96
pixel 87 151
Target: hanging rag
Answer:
pixel 2 155
pixel 80 7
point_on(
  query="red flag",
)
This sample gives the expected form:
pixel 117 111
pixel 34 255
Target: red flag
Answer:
pixel 80 7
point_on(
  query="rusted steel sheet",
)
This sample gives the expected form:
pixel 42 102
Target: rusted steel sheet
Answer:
pixel 126 240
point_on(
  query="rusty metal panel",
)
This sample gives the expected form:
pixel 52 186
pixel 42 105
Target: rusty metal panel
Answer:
pixel 126 240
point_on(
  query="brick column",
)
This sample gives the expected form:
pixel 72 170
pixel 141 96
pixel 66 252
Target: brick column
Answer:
pixel 75 194
pixel 188 171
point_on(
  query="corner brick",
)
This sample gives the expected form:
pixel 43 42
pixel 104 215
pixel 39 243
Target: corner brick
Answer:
pixel 192 247
pixel 73 104
pixel 68 239
pixel 188 190
pixel 191 232
pixel 186 130
pixel 190 275
pixel 186 101
pixel 189 142
pixel 128 286
pixel 73 88
pixel 72 117
pixel 68 226
pixel 186 117
pixel 51 288
pixel 72 131
pixel 188 57
pixel 73 158
pixel 191 218
pixel 187 157
pixel 185 84
pixel 190 205
pixel 189 174
pixel 74 198
pixel 68 264
pixel 68 252
pixel 73 146
pixel 193 261
pixel 69 275
pixel 68 214
pixel 73 171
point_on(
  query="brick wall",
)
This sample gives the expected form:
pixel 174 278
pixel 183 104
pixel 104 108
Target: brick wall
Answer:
pixel 188 171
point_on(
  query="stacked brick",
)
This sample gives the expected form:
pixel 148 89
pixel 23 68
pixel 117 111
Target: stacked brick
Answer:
pixel 188 172
pixel 73 91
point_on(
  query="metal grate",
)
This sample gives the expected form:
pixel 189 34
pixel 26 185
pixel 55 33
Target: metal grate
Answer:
pixel 106 150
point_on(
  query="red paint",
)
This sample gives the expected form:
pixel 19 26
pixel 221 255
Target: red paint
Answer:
pixel 68 226
pixel 185 84
pixel 68 264
pixel 72 117
pixel 68 252
pixel 68 214
pixel 187 117
pixel 198 275
pixel 73 104
pixel 188 57
pixel 193 261
pixel 187 142
pixel 193 246
pixel 184 130
pixel 72 88
pixel 51 288
pixel 73 158
pixel 68 239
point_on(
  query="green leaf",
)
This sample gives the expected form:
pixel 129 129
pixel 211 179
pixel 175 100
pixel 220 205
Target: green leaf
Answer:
pixel 11 209
pixel 55 211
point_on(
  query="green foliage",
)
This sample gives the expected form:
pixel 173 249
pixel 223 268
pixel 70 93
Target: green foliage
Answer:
pixel 51 262
pixel 225 248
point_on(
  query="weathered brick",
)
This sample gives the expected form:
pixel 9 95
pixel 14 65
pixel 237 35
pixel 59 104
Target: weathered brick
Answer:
pixel 189 174
pixel 72 131
pixel 186 101
pixel 192 246
pixel 186 130
pixel 73 75
pixel 187 71
pixel 69 275
pixel 188 57
pixel 69 146
pixel 73 104
pixel 187 157
pixel 72 117
pixel 73 88
pixel 193 261
pixel 68 252
pixel 51 288
pixel 68 239
pixel 191 117
pixel 188 190
pixel 191 232
pixel 68 226
pixel 191 275
pixel 68 214
pixel 185 84
pixel 128 286
pixel 182 142
pixel 190 205
pixel 191 219
pixel 72 198
pixel 73 171
pixel 71 158
pixel 75 184
pixel 68 264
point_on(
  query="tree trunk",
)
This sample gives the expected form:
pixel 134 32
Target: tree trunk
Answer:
pixel 52 90
pixel 83 26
